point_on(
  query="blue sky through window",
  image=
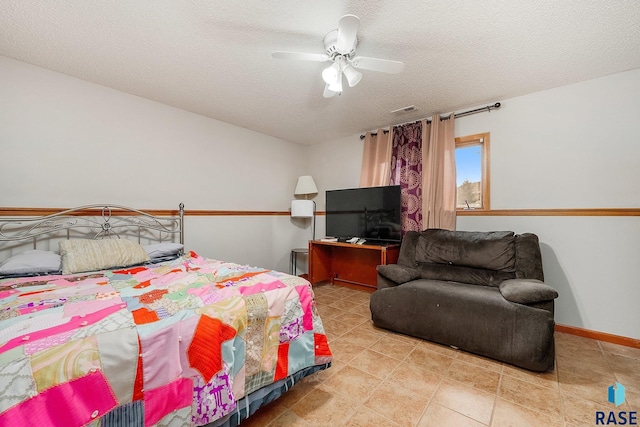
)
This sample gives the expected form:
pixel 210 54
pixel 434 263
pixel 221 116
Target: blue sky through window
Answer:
pixel 468 164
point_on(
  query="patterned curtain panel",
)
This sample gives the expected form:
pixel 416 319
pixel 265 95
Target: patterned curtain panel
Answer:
pixel 406 171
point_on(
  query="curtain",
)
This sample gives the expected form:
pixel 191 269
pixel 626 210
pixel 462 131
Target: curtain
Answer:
pixel 439 174
pixel 376 159
pixel 406 171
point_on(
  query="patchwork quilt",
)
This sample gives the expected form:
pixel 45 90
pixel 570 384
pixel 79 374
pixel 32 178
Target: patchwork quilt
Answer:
pixel 174 343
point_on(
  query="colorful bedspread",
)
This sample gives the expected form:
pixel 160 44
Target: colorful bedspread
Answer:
pixel 175 343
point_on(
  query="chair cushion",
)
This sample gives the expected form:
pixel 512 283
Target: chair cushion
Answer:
pixel 493 250
pixel 398 273
pixel 527 291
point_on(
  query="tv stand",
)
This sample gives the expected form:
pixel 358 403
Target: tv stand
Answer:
pixel 348 264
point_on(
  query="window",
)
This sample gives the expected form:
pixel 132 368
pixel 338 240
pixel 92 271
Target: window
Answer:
pixel 472 172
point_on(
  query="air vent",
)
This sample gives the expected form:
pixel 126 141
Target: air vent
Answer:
pixel 404 110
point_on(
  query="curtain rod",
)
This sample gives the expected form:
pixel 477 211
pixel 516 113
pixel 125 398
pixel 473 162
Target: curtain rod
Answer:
pixel 488 108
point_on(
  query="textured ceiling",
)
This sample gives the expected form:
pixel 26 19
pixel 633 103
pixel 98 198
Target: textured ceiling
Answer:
pixel 214 58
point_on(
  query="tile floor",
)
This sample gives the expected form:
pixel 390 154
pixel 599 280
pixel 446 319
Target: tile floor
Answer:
pixel 379 378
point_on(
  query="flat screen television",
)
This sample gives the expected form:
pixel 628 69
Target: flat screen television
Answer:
pixel 371 213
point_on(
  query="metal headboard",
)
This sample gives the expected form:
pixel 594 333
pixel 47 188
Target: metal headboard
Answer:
pixel 111 221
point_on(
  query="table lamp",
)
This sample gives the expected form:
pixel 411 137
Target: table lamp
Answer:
pixel 305 208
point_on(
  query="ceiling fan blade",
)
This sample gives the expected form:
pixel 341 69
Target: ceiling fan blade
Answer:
pixel 301 56
pixel 347 31
pixel 328 93
pixel 376 64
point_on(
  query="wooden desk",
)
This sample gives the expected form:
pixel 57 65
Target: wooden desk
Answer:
pixel 349 264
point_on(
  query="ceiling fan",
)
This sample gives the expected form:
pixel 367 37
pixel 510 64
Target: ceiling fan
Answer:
pixel 340 48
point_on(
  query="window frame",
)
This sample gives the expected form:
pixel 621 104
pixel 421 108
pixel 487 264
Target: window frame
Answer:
pixel 482 139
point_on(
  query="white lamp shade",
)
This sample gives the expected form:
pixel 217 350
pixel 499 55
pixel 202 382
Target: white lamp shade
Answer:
pixel 353 76
pixel 305 186
pixel 331 73
pixel 302 208
pixel 337 85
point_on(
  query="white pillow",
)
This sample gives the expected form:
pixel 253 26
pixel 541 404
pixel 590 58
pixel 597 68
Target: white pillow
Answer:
pixel 89 255
pixel 162 250
pixel 33 261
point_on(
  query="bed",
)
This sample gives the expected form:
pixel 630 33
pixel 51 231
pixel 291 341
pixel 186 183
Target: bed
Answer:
pixel 105 320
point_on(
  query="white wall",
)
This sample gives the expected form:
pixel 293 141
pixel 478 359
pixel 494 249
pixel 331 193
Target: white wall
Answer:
pixel 66 142
pixel 571 147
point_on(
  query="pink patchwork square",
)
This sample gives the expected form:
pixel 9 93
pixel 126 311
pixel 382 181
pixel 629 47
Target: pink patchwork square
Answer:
pixel 163 400
pixel 160 357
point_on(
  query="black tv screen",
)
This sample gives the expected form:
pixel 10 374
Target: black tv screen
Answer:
pixel 371 213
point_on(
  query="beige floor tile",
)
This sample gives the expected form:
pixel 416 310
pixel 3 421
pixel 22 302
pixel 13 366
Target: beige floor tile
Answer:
pixel 265 415
pixel 465 400
pixel 393 348
pixel 353 383
pixel 402 337
pixel 289 419
pixel 337 364
pixel 532 396
pixel 589 356
pixel 349 294
pixel 323 405
pixel 630 381
pixel 336 327
pixel 620 350
pixel 579 343
pixel 352 318
pixel 414 378
pixel 364 417
pixel 298 391
pixel 483 362
pixel 633 398
pixel 318 377
pixel 580 351
pixel 398 404
pixel 594 389
pixel 439 416
pixel 326 298
pixel 331 336
pixel 545 379
pixel 508 414
pixel 361 337
pixel 567 345
pixel 582 367
pixel 438 348
pixel 362 309
pixel 430 360
pixel 624 365
pixel 361 297
pixel 368 327
pixel 474 376
pixel 374 363
pixel 324 287
pixel 344 304
pixel 581 412
pixel 327 312
pixel 344 350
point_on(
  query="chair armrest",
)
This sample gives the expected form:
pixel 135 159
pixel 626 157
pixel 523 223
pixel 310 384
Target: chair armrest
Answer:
pixel 527 291
pixel 398 273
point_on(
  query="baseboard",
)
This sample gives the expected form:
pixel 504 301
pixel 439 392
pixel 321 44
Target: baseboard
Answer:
pixel 600 336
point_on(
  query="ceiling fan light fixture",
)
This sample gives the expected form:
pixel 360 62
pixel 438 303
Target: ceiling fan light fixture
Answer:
pixel 328 93
pixel 353 76
pixel 336 86
pixel 340 48
pixel 331 74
